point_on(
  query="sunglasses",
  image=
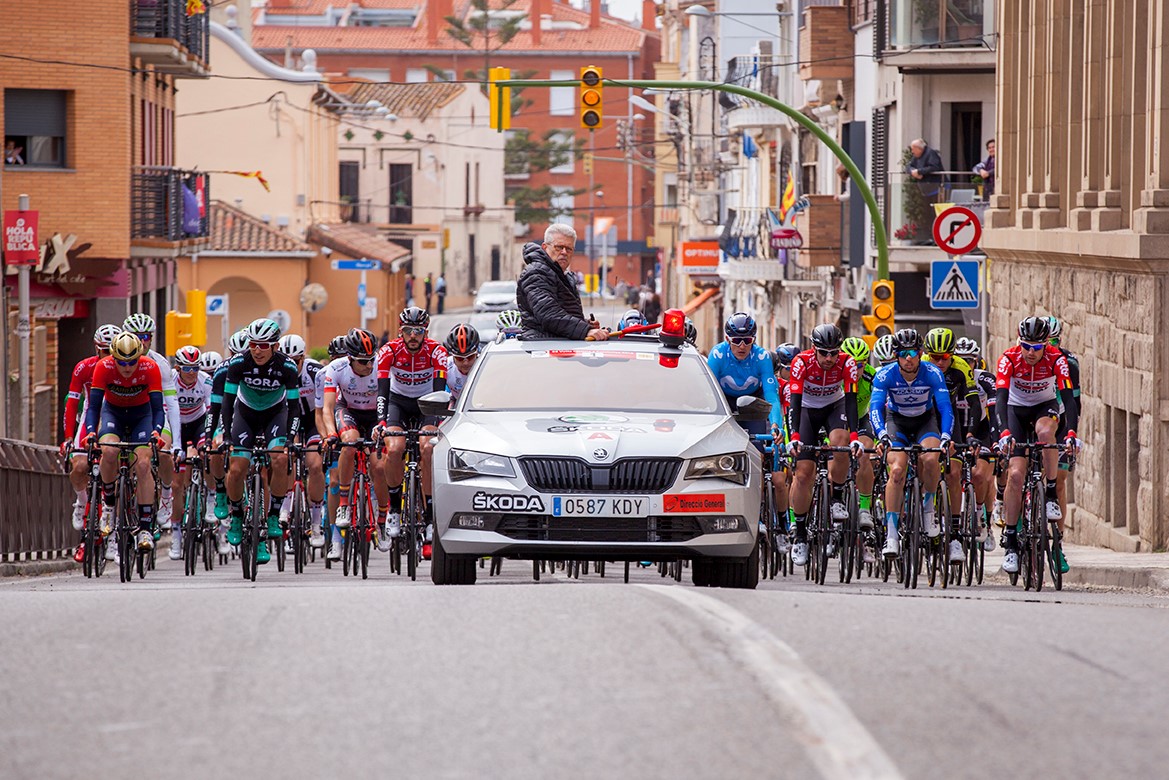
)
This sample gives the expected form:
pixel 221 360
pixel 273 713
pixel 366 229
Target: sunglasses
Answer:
pixel 908 353
pixel 741 341
pixel 262 345
pixel 126 363
pixel 941 355
pixel 413 331
pixel 465 358
pixel 188 369
pixel 1031 347
pixel 828 353
pixel 144 336
pixel 361 361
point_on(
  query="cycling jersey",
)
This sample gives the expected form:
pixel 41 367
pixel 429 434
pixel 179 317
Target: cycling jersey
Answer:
pixel 218 382
pixel 169 393
pixel 456 380
pixel 864 390
pixel 352 391
pixel 893 393
pixel 310 370
pixel 140 390
pixel 409 373
pixel 753 375
pixel 78 395
pixel 1031 385
pixel 261 387
pixel 194 400
pixel 821 387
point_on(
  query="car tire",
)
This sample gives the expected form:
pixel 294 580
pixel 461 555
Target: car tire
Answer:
pixel 740 573
pixel 701 572
pixel 450 569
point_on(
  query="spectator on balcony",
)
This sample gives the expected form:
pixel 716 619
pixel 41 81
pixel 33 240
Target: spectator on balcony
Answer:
pixel 924 167
pixel 985 169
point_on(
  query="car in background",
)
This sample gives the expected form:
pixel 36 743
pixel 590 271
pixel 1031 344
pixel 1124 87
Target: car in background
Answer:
pixel 496 296
pixel 622 450
pixel 484 322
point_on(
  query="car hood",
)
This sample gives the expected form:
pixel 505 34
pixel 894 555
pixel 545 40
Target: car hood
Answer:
pixel 586 434
pixel 503 297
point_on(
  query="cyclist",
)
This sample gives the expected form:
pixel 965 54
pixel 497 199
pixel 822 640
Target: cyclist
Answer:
pixel 910 404
pixel 350 413
pixel 859 351
pixel 126 404
pixel 1030 377
pixel 1065 459
pixel 194 395
pixel 75 409
pixel 823 399
pixel 510 325
pixel 336 351
pixel 217 463
pixel 462 347
pixel 883 351
pixel 293 347
pixel 986 432
pixel 260 386
pixel 939 347
pixel 691 333
pixel 210 361
pixel 408 368
pixel 142 326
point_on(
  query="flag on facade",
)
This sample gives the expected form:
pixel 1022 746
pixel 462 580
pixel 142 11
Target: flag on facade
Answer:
pixel 191 220
pixel 257 175
pixel 195 7
pixel 789 197
pixel 750 148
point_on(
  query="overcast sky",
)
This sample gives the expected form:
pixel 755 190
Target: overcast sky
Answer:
pixel 625 9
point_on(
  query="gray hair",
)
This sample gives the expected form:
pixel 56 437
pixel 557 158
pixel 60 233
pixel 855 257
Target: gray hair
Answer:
pixel 559 229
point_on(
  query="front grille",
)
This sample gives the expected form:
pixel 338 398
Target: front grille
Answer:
pixel 544 528
pixel 573 475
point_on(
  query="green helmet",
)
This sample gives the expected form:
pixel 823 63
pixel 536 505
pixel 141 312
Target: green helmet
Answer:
pixel 264 330
pixel 856 349
pixel 939 340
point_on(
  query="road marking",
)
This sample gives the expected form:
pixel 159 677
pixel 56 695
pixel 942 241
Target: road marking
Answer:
pixel 836 742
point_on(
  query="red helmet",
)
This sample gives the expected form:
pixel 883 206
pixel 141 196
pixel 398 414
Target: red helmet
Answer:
pixel 360 344
pixel 462 341
pixel 187 356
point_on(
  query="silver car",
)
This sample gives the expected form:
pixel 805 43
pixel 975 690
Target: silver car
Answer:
pixel 496 296
pixel 618 450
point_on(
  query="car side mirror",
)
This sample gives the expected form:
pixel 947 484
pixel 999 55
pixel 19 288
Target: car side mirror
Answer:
pixel 750 408
pixel 436 404
pixel 474 291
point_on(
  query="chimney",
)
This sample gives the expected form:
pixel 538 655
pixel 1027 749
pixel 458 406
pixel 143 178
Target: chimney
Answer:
pixel 436 13
pixel 594 14
pixel 535 16
pixel 649 13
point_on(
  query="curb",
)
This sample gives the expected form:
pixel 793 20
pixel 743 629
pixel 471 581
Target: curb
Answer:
pixel 37 568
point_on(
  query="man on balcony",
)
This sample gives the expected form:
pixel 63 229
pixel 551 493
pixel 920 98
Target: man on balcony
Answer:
pixel 923 167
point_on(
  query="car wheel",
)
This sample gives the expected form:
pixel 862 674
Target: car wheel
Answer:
pixel 702 570
pixel 450 569
pixel 736 572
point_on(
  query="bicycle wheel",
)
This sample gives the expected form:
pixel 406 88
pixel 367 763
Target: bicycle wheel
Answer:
pixel 913 552
pixel 824 529
pixel 91 536
pixel 364 529
pixel 853 540
pixel 970 522
pixel 122 526
pixel 414 493
pixel 1055 555
pixel 1039 541
pixel 281 545
pixel 942 552
pixel 298 530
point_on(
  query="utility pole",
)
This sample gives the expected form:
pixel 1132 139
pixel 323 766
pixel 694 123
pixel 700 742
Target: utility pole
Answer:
pixel 23 330
pixel 3 332
pixel 592 212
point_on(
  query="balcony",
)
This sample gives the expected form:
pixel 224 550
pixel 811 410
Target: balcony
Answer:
pixel 909 212
pixel 950 34
pixel 826 43
pixel 755 117
pixel 162 35
pixel 164 209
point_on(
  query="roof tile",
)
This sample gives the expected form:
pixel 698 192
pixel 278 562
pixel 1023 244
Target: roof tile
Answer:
pixel 235 230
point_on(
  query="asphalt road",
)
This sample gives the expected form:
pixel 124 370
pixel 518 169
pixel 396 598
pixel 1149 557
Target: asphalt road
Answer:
pixel 323 676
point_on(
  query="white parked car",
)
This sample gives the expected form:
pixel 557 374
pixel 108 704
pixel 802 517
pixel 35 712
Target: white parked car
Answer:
pixel 496 296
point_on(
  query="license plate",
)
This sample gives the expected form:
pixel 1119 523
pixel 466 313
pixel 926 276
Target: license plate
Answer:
pixel 600 506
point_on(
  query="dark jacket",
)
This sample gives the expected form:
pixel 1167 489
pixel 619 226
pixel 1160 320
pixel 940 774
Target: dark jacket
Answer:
pixel 548 299
pixel 928 164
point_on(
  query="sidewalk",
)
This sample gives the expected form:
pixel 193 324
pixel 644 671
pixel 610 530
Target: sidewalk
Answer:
pixel 1103 568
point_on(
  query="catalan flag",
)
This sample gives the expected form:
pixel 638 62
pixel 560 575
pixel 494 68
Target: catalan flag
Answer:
pixel 195 7
pixel 789 197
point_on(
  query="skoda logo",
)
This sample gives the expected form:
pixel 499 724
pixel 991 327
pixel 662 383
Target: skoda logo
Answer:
pixel 600 454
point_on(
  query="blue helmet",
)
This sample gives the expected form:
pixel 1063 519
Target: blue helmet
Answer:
pixel 785 354
pixel 740 324
pixel 631 318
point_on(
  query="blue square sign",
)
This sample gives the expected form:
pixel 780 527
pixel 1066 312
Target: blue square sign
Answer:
pixel 954 284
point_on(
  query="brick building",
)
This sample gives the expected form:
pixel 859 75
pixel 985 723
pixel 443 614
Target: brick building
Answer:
pixel 95 123
pixel 407 41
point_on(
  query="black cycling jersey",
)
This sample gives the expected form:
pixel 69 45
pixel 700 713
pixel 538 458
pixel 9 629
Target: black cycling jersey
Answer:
pixel 262 388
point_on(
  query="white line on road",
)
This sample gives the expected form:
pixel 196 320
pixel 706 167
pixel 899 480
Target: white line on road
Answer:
pixel 836 742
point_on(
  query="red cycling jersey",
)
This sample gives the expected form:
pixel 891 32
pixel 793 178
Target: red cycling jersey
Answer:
pixel 133 390
pixel 411 373
pixel 822 387
pixel 785 394
pixel 78 389
pixel 1029 385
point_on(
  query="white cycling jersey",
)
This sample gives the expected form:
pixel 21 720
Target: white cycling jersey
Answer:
pixel 195 400
pixel 353 391
pixel 456 380
pixel 170 397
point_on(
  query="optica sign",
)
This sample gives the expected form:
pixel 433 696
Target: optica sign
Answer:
pixel 698 257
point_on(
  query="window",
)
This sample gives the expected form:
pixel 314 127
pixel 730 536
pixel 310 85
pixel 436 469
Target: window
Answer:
pixel 34 127
pixel 561 153
pixel 447 75
pixel 373 74
pixel 401 193
pixel 350 187
pixel 417 75
pixel 561 204
pixel 561 100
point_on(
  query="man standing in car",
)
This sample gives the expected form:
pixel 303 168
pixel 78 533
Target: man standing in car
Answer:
pixel 546 292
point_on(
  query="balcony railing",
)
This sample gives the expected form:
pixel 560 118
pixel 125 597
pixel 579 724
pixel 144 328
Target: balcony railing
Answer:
pixel 163 35
pixel 162 210
pixel 908 205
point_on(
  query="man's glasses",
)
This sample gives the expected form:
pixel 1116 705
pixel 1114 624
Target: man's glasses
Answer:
pixel 361 361
pixel 126 363
pixel 261 345
pixel 741 341
pixel 410 330
pixel 940 355
pixel 1031 347
pixel 144 336
pixel 188 369
pixel 908 353
pixel 465 358
pixel 828 353
pixel 561 249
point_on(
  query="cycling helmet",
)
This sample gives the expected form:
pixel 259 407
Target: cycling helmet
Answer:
pixel 238 342
pixel 263 331
pixel 293 346
pixel 785 354
pixel 906 338
pixel 188 356
pixel 883 350
pixel 126 347
pixel 1034 329
pixel 827 337
pixel 415 317
pixel 104 336
pixel 967 348
pixel 139 324
pixel 462 341
pixel 360 344
pixel 631 318
pixel 740 324
pixel 336 347
pixel 856 349
pixel 1055 328
pixel 691 332
pixel 939 340
pixel 509 320
pixel 210 360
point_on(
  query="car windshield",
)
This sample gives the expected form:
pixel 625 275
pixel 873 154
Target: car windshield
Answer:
pixel 498 288
pixel 584 379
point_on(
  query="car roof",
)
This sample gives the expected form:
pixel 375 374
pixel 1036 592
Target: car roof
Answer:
pixel 632 343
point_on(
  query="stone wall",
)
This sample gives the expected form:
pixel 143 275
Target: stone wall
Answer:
pixel 1111 314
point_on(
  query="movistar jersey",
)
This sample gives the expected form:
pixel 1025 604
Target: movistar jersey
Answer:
pixel 892 393
pixel 752 376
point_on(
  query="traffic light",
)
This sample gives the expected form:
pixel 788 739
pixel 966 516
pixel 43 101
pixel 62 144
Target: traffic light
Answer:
pixel 197 308
pixel 591 112
pixel 178 331
pixel 880 322
pixel 499 99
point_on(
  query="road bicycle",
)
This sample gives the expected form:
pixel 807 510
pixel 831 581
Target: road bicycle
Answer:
pixel 255 522
pixel 198 535
pixel 93 561
pixel 126 520
pixel 916 547
pixel 824 537
pixel 1040 540
pixel 360 535
pixel 413 523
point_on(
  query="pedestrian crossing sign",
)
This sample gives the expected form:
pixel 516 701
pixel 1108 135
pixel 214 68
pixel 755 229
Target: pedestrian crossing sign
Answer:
pixel 954 284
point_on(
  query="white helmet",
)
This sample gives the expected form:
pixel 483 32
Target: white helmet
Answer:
pixel 105 335
pixel 293 346
pixel 209 361
pixel 238 342
pixel 187 356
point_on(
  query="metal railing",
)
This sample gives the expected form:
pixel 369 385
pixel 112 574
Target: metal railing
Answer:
pixel 908 204
pixel 36 503
pixel 157 204
pixel 167 19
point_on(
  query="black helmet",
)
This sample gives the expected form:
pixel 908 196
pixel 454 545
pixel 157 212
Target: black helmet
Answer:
pixel 785 354
pixel 907 338
pixel 337 347
pixel 740 324
pixel 462 341
pixel 1035 329
pixel 360 343
pixel 827 337
pixel 415 317
pixel 691 332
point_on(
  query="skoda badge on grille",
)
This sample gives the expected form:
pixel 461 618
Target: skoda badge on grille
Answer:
pixel 600 454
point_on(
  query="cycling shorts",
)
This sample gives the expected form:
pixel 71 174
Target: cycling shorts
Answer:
pixel 308 433
pixel 361 420
pixel 403 412
pixel 813 420
pixel 904 431
pixel 1021 422
pixel 249 423
pixel 193 431
pixel 128 423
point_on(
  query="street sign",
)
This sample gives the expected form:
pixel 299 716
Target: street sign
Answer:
pixel 954 284
pixel 217 305
pixel 361 294
pixel 369 309
pixel 21 246
pixel 957 230
pixel 786 238
pixel 364 264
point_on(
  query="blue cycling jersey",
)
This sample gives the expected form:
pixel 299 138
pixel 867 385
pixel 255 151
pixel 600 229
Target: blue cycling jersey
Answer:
pixel 749 376
pixel 910 399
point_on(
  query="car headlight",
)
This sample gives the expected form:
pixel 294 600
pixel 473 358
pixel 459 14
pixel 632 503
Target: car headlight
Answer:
pixel 465 464
pixel 731 467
